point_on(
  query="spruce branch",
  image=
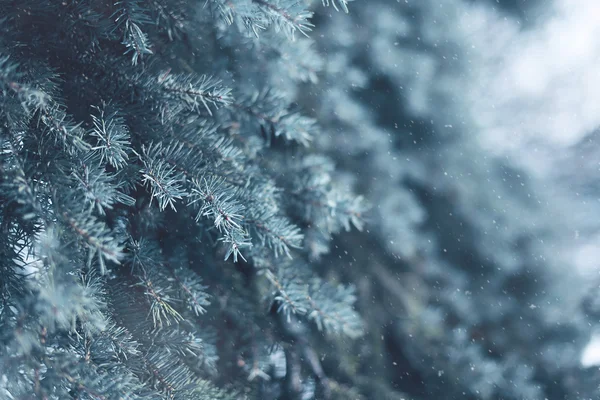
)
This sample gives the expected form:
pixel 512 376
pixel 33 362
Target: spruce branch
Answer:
pixel 337 4
pixel 288 16
pixel 172 20
pixel 191 350
pixel 217 202
pixel 192 290
pixel 56 122
pixel 113 138
pixel 29 97
pixel 143 255
pixel 61 304
pixel 154 279
pixel 87 380
pixel 275 232
pixel 267 111
pixel 235 241
pixel 299 59
pixel 166 184
pixel 329 306
pixel 179 342
pixel 325 204
pixel 51 114
pixel 205 390
pixel 160 300
pixel 96 237
pixel 129 16
pixel 194 91
pixel 167 373
pixel 16 185
pixel 99 188
pixel 118 340
pixel 255 16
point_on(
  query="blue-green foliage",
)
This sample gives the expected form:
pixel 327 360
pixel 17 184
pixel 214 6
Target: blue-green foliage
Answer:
pixel 150 195
pixel 184 214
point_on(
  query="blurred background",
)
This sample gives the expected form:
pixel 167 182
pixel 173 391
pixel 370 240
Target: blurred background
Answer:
pixel 471 127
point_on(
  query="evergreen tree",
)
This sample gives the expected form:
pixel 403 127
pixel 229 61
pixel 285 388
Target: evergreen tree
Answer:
pixel 157 181
pixel 243 199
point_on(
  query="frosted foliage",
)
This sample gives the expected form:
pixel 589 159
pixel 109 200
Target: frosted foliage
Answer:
pixel 290 199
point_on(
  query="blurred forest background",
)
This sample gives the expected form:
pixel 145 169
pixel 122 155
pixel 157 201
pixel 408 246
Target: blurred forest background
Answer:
pixel 472 128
